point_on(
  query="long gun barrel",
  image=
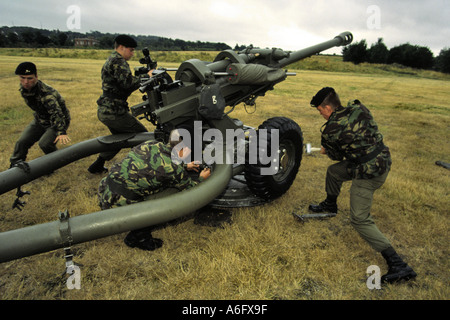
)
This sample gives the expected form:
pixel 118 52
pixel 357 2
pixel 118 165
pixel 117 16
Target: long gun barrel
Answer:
pixel 286 58
pixel 342 39
pixel 273 58
pixel 242 77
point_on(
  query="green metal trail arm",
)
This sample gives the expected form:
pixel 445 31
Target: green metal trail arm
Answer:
pixel 17 176
pixel 49 236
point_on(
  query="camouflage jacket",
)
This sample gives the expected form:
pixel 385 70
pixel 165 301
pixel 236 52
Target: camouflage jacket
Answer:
pixel 118 83
pixel 147 169
pixel 49 107
pixel 352 134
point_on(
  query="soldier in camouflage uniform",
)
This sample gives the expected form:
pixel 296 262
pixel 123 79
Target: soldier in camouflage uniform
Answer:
pixel 147 169
pixel 51 116
pixel 351 137
pixel 118 83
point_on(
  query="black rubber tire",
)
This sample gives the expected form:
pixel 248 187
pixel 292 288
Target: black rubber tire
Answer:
pixel 270 187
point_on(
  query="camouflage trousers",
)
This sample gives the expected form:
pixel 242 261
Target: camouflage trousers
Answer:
pixel 361 198
pixel 108 199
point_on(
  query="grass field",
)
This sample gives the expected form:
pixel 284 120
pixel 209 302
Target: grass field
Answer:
pixel 264 253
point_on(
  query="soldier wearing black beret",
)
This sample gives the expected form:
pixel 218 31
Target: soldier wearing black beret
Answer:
pixel 351 137
pixel 118 83
pixel 51 116
pixel 26 69
pixel 125 41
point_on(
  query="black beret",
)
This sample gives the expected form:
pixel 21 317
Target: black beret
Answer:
pixel 26 68
pixel 126 41
pixel 320 96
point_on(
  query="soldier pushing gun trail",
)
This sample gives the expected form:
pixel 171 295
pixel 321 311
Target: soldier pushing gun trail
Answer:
pixel 351 137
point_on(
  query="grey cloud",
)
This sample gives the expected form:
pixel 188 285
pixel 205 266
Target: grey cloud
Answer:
pixel 263 23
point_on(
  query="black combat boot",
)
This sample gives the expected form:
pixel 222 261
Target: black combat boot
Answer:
pixel 98 166
pixel 398 269
pixel 328 205
pixel 142 239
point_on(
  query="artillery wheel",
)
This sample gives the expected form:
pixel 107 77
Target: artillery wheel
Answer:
pixel 270 187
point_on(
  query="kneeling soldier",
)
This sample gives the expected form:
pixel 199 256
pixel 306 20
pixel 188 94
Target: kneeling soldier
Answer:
pixel 148 169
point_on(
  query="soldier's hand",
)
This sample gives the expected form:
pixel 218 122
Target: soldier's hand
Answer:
pixel 63 138
pixel 205 173
pixel 193 166
pixel 323 150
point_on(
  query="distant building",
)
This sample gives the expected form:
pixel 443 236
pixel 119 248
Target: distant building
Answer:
pixel 86 42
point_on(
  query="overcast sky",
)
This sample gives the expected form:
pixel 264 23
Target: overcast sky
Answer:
pixel 287 24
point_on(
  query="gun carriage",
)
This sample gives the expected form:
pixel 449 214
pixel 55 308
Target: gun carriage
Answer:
pixel 198 95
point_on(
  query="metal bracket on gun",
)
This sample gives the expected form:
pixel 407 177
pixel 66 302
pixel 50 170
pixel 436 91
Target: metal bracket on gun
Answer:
pixel 66 236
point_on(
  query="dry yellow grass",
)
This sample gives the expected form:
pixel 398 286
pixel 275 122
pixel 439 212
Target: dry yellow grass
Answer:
pixel 264 253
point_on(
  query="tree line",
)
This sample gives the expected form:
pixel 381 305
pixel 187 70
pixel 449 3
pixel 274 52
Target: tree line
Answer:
pixel 406 54
pixel 28 37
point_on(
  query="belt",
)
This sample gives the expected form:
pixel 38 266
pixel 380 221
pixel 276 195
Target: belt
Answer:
pixel 370 155
pixel 119 189
pixel 112 95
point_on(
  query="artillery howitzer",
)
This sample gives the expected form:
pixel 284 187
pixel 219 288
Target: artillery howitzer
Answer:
pixel 198 96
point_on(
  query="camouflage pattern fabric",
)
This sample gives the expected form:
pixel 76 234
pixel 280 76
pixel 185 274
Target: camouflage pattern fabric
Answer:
pixel 118 83
pixel 49 107
pixel 147 169
pixel 352 134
